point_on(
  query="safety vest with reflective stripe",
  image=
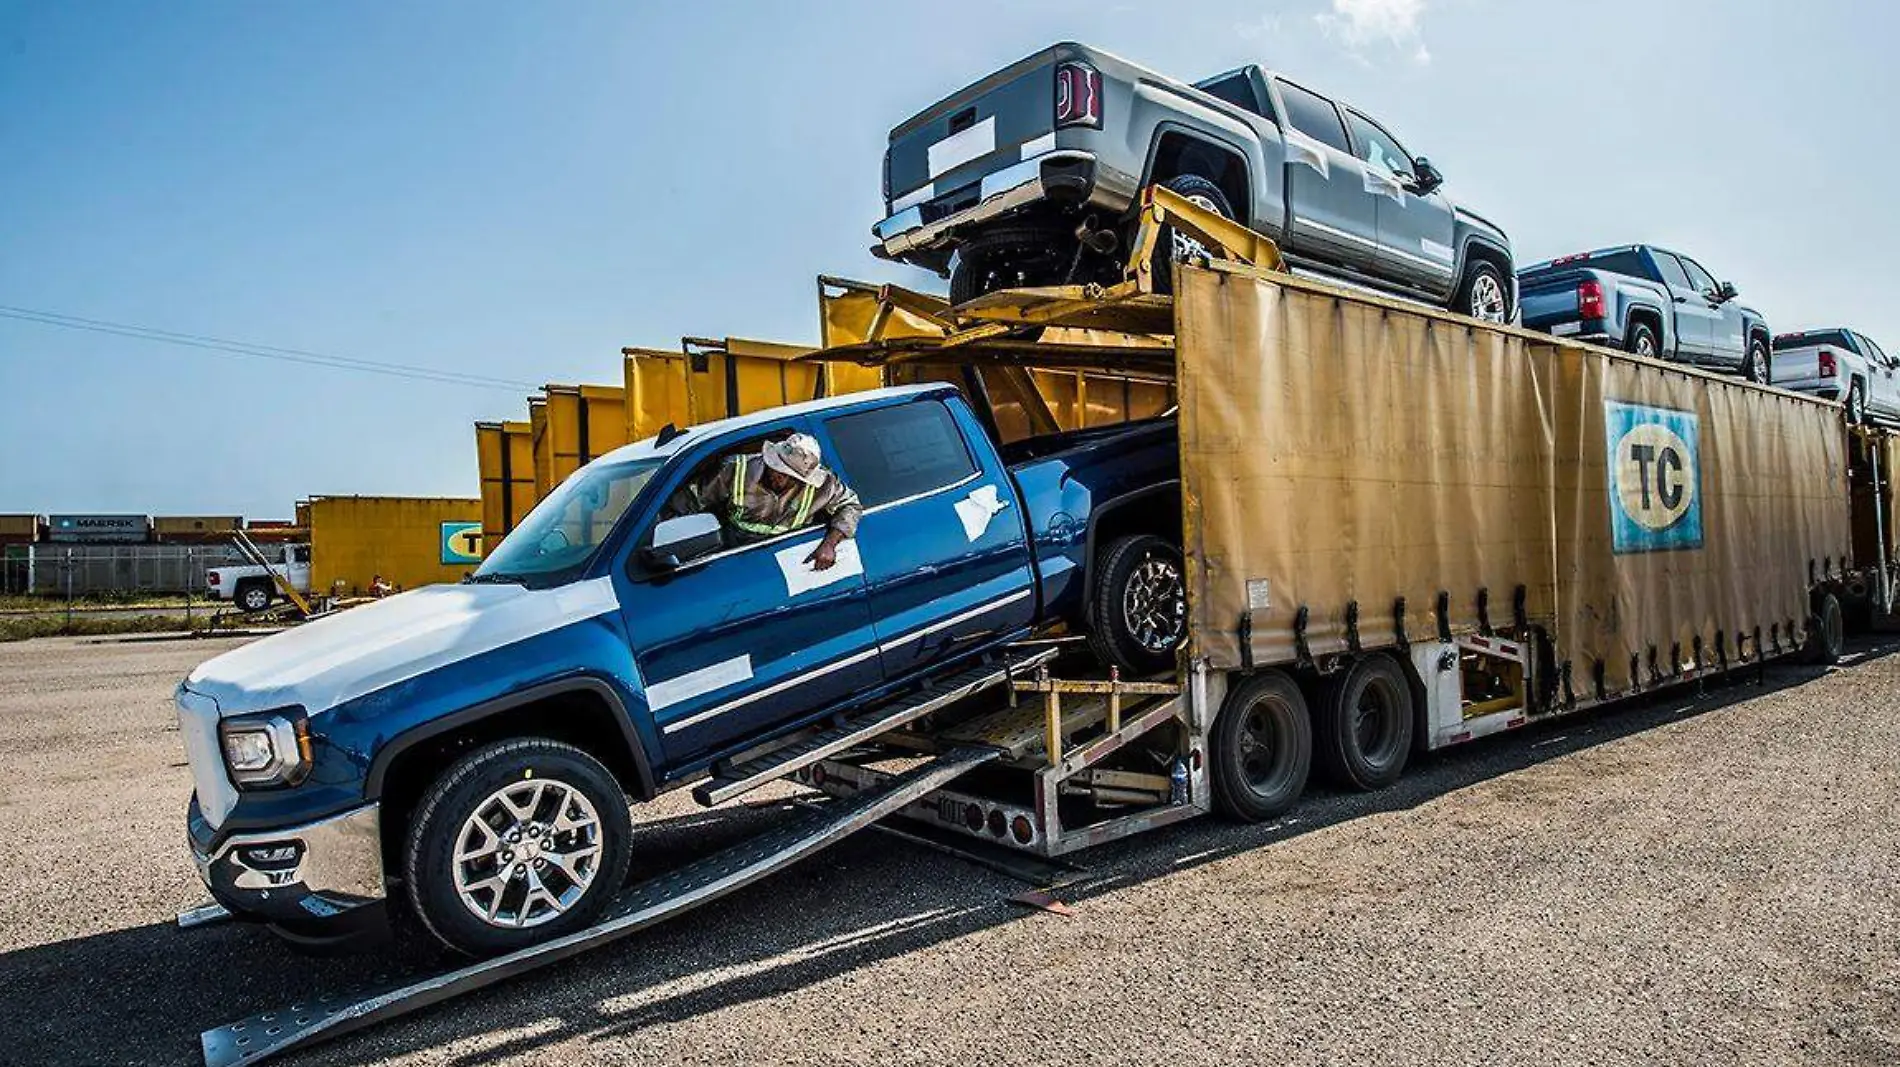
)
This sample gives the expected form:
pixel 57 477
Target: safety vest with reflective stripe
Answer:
pixel 800 512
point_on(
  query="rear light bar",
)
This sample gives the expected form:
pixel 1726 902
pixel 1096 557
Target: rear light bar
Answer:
pixel 1824 364
pixel 1590 300
pixel 1078 95
pixel 1561 260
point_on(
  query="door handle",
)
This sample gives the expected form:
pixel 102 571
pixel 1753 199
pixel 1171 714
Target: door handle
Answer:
pixel 1682 300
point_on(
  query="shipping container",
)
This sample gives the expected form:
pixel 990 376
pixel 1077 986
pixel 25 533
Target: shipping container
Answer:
pixel 710 379
pixel 541 444
pixel 99 529
pixel 194 529
pixel 19 529
pixel 582 423
pixel 408 541
pixel 504 453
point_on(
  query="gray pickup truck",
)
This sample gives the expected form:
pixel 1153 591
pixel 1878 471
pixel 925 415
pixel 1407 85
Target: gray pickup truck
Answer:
pixel 1649 301
pixel 1030 177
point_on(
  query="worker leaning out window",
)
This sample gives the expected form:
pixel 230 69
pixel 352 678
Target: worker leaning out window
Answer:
pixel 775 490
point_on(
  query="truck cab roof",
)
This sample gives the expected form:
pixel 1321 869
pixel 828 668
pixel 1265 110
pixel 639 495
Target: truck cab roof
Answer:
pixel 653 446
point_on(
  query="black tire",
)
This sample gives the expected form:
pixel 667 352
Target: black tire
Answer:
pixel 1363 731
pixel 1755 362
pixel 1009 257
pixel 1139 604
pixel 1855 410
pixel 1205 194
pixel 253 595
pixel 1642 341
pixel 1827 631
pixel 1261 748
pixel 467 788
pixel 1494 305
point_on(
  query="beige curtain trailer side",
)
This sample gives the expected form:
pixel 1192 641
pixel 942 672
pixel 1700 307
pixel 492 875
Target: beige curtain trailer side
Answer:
pixel 1359 474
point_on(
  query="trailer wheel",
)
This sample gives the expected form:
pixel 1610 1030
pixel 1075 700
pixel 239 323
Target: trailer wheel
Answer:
pixel 1827 631
pixel 1364 727
pixel 1140 609
pixel 1262 748
pixel 254 596
pixel 517 842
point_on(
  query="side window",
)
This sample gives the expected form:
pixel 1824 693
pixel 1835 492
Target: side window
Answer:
pixel 705 491
pixel 1673 274
pixel 1314 116
pixel 900 451
pixel 1237 89
pixel 1879 355
pixel 1377 147
pixel 1700 280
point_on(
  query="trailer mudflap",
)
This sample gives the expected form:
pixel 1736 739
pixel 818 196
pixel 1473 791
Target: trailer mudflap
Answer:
pixel 267 1033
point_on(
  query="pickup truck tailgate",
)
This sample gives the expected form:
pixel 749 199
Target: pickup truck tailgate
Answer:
pixel 1548 298
pixel 974 132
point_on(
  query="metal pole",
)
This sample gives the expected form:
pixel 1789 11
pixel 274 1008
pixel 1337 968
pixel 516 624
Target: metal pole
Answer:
pixel 69 590
pixel 1880 524
pixel 190 554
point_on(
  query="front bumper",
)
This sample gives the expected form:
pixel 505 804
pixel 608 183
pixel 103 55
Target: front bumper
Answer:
pixel 309 879
pixel 1064 174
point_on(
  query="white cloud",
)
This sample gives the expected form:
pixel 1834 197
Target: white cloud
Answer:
pixel 1363 24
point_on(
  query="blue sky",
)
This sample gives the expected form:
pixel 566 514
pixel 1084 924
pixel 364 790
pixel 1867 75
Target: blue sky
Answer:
pixel 517 190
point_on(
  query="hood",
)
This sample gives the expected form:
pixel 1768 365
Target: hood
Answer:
pixel 338 658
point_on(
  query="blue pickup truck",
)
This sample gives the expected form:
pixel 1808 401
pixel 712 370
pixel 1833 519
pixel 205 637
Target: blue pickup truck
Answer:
pixel 469 750
pixel 1649 301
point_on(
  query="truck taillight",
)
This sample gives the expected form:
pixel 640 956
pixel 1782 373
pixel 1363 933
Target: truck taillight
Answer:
pixel 1078 95
pixel 212 578
pixel 1824 364
pixel 1590 300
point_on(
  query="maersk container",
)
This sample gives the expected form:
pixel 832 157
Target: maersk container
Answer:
pixel 99 529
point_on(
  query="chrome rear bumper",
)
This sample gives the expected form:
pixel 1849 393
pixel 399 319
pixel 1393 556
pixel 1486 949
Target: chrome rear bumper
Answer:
pixel 1013 187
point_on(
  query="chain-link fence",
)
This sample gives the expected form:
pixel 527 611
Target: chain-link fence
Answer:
pixel 81 570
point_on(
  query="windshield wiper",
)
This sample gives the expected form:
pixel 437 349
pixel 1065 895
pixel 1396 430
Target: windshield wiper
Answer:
pixel 495 578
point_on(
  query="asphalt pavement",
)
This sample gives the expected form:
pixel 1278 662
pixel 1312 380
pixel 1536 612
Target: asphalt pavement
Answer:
pixel 1685 880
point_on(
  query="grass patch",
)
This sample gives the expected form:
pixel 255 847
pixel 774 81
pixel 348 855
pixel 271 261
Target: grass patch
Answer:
pixel 23 627
pixel 100 601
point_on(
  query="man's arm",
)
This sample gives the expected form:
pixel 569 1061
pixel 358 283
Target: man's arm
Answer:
pixel 842 511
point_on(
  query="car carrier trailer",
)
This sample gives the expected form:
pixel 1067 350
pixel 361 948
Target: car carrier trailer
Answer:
pixel 1404 530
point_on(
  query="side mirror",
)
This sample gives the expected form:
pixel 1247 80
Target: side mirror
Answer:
pixel 1426 178
pixel 680 540
pixel 1727 292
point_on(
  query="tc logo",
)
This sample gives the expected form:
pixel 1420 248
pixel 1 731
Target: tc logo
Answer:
pixel 1655 478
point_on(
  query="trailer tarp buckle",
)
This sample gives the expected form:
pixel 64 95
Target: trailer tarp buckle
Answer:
pixel 1352 626
pixel 1484 611
pixel 1398 625
pixel 1301 651
pixel 1444 616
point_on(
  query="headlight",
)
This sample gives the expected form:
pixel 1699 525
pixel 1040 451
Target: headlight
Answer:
pixel 266 750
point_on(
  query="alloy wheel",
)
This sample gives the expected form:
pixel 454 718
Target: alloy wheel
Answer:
pixel 1154 604
pixel 1487 298
pixel 528 853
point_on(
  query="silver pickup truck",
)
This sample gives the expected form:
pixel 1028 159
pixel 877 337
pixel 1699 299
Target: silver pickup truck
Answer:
pixel 1029 177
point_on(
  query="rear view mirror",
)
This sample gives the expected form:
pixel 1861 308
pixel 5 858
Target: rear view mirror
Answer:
pixel 1426 177
pixel 680 540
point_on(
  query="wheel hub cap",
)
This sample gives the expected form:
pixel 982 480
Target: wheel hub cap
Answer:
pixel 527 854
pixel 1487 299
pixel 1154 604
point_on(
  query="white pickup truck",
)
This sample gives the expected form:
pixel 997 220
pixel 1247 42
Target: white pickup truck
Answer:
pixel 251 587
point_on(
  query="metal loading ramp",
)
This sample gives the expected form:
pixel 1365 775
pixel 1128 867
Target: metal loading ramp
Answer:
pixel 265 1034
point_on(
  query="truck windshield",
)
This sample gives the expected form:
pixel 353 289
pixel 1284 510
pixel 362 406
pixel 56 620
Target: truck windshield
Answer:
pixel 560 536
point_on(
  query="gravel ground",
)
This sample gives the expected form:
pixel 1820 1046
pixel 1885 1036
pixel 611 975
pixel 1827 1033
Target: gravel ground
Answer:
pixel 1679 881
